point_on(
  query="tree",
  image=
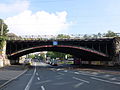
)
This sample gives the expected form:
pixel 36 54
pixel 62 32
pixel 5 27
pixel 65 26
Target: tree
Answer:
pixel 31 56
pixel 110 34
pixel 99 35
pixel 57 55
pixel 12 36
pixel 87 36
pixel 3 32
pixel 62 36
pixel 3 28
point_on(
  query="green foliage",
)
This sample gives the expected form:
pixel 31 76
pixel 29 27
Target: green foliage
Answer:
pixel 57 55
pixel 62 36
pixel 99 35
pixel 5 27
pixel 42 56
pixel 86 36
pixel 31 56
pixel 110 34
pixel 3 37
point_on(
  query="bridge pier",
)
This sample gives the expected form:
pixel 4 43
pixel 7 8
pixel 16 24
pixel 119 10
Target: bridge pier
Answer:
pixel 89 62
pixel 77 61
pixel 14 61
pixel 3 58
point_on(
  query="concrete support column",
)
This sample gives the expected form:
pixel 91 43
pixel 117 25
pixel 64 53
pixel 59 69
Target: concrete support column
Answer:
pixel 89 62
pixel 3 60
pixel 106 47
pixel 77 61
pixel 118 58
pixel 14 60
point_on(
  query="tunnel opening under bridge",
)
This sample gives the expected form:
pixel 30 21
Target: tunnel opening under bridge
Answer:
pixel 82 53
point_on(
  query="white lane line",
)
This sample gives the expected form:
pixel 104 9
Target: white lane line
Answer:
pixel 65 70
pixel 106 76
pixel 105 80
pixel 60 74
pixel 80 80
pixel 30 81
pixel 78 85
pixel 94 75
pixel 58 69
pixel 37 74
pixel 113 78
pixel 38 78
pixel 42 87
pixel 76 72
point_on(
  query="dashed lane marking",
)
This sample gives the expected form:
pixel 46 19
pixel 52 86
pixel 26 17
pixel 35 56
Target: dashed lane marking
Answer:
pixel 105 80
pixel 42 87
pixel 79 84
pixel 76 72
pixel 38 78
pixel 37 74
pixel 81 80
pixel 61 73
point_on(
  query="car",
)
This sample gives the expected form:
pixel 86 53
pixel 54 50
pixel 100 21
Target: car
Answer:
pixel 27 61
pixel 54 62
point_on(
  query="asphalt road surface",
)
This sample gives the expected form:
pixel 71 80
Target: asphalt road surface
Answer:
pixel 44 77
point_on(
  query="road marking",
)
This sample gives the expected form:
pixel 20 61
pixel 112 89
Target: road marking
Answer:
pixel 37 74
pixel 42 87
pixel 61 83
pixel 79 84
pixel 105 80
pixel 103 76
pixel 58 69
pixel 38 78
pixel 30 81
pixel 81 80
pixel 94 73
pixel 76 72
pixel 106 76
pixel 61 74
pixel 65 71
pixel 113 78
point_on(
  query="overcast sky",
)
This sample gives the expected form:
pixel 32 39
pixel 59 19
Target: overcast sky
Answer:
pixel 36 17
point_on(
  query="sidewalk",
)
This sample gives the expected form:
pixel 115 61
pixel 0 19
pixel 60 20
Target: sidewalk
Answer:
pixel 9 73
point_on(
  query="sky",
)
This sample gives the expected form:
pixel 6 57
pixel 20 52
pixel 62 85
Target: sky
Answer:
pixel 51 17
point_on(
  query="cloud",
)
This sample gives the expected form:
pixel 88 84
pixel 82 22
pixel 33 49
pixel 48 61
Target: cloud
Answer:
pixel 16 6
pixel 41 22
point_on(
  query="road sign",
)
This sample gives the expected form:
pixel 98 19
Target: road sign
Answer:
pixel 55 43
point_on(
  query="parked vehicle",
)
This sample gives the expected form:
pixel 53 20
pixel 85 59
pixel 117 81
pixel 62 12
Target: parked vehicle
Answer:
pixel 28 61
pixel 54 62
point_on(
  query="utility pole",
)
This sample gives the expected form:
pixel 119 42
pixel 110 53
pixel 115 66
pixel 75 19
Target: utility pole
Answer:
pixel 1 28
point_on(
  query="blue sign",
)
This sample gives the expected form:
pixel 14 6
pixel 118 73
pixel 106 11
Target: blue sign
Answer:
pixel 55 43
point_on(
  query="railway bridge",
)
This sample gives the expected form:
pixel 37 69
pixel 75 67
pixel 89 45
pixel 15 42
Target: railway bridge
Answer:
pixel 92 49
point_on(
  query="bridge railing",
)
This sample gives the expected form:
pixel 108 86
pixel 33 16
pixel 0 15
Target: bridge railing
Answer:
pixel 51 37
